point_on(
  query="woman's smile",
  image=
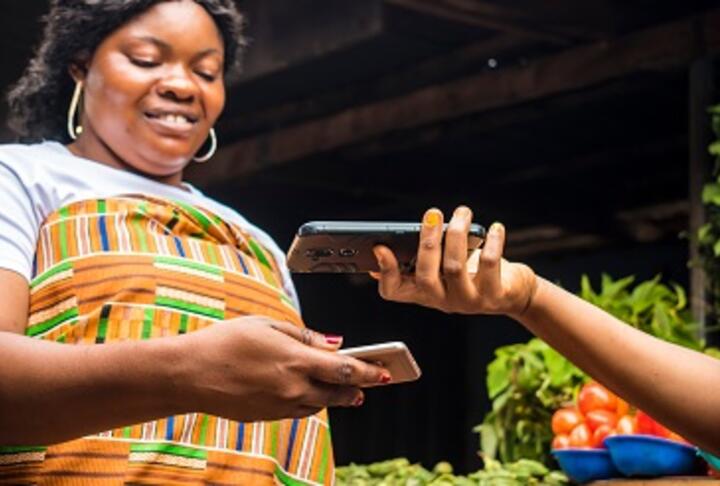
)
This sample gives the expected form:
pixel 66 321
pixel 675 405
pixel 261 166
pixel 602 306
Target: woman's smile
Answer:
pixel 172 122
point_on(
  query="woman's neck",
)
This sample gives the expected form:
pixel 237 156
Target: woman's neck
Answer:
pixel 97 151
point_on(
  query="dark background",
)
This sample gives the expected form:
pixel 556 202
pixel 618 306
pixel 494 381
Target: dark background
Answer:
pixel 589 178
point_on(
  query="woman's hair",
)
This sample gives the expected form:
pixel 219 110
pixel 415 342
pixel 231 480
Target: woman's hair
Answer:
pixel 73 29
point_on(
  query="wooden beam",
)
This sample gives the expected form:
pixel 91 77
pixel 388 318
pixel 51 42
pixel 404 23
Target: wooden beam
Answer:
pixel 476 15
pixel 398 142
pixel 424 73
pixel 522 16
pixel 665 47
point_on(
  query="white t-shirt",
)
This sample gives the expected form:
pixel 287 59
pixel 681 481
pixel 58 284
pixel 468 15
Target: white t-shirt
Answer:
pixel 37 180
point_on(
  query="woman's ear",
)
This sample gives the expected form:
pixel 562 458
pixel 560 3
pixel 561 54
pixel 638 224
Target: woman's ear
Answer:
pixel 79 67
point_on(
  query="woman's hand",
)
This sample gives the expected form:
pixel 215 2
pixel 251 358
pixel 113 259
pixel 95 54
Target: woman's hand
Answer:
pixel 447 280
pixel 255 368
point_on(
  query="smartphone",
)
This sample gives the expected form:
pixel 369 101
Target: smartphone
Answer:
pixel 394 356
pixel 347 246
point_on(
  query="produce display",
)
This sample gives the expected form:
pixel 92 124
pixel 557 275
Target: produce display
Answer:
pixel 597 414
pixel 542 403
pixel 400 472
pixel 527 382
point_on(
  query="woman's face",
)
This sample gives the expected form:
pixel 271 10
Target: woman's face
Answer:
pixel 153 89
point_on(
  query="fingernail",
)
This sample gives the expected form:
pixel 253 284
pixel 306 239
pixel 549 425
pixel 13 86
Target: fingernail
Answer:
pixel 496 227
pixel 463 212
pixel 358 401
pixel 333 339
pixel 385 378
pixel 432 219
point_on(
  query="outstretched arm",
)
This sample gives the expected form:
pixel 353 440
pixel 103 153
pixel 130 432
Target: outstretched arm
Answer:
pixel 677 386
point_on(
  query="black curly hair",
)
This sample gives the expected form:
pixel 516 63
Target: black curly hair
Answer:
pixel 73 29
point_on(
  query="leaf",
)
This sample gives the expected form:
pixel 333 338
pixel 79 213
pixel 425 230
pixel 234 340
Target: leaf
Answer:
pixel 498 377
pixel 499 403
pixel 586 290
pixel 537 345
pixel 612 289
pixel 681 296
pixel 716 248
pixel 705 233
pixel 711 193
pixel 560 369
pixel 661 323
pixel 714 148
pixel 488 440
pixel 640 299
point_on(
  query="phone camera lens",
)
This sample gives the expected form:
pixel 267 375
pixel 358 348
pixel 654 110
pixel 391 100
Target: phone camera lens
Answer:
pixel 347 252
pixel 316 253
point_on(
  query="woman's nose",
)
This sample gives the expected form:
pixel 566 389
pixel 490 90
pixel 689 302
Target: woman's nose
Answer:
pixel 178 85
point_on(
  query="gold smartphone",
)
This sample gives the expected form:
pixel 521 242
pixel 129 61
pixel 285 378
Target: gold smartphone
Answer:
pixel 395 356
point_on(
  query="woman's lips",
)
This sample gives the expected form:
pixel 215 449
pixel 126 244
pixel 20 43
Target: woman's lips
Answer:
pixel 173 125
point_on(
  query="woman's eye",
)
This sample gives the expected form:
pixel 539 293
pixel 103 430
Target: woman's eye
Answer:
pixel 206 76
pixel 146 63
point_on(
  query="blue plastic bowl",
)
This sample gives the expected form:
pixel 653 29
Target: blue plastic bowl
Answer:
pixel 583 465
pixel 645 455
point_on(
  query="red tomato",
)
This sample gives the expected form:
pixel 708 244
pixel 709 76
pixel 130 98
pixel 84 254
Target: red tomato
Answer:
pixel 580 436
pixel 565 419
pixel 645 423
pixel 596 418
pixel 594 396
pixel 626 425
pixel 561 441
pixel 599 435
pixel 622 407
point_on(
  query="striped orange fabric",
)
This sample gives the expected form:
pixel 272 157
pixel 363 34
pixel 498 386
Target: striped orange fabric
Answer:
pixel 135 267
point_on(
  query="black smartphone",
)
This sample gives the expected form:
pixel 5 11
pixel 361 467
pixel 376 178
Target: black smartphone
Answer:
pixel 347 246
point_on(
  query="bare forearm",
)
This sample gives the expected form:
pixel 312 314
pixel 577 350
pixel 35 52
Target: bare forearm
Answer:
pixel 677 386
pixel 51 392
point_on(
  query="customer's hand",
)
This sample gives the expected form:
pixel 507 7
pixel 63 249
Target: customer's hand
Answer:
pixel 255 368
pixel 447 280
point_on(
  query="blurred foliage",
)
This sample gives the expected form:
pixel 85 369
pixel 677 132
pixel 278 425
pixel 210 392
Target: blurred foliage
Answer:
pixel 708 237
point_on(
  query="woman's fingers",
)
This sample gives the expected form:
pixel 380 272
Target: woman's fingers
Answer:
pixel 390 278
pixel 342 370
pixel 455 270
pixel 488 279
pixel 429 256
pixel 326 395
pixel 329 342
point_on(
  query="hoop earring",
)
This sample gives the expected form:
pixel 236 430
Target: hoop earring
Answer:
pixel 211 152
pixel 73 130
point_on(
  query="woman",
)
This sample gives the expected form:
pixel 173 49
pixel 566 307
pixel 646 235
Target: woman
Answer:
pixel 105 250
pixel 679 387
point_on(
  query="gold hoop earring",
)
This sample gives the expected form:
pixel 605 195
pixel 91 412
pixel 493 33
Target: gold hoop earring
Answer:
pixel 211 152
pixel 73 130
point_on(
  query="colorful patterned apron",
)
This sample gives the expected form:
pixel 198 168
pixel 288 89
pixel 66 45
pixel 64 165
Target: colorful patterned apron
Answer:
pixel 134 267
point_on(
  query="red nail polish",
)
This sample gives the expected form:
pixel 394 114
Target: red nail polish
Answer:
pixel 333 339
pixel 385 378
pixel 358 401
